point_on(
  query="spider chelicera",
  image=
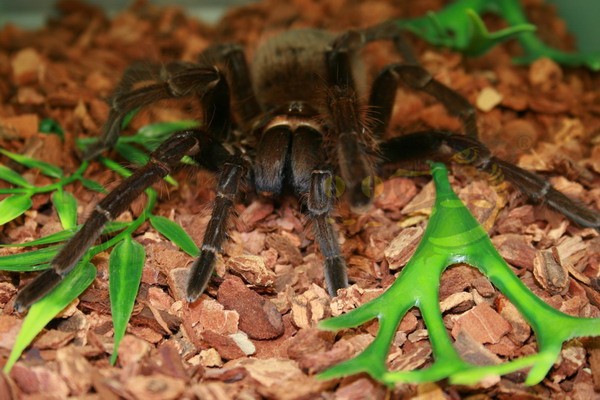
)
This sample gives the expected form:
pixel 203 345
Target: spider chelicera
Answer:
pixel 300 122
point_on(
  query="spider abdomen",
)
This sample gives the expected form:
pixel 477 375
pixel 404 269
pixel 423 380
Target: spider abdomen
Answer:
pixel 290 66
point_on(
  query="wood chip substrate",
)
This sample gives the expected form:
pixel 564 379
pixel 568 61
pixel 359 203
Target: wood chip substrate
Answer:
pixel 254 334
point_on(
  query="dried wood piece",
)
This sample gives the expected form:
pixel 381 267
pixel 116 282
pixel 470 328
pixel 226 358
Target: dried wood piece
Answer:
pixel 521 330
pixel 288 250
pixel 254 213
pixel 362 388
pixel 259 317
pixel 488 98
pixel 155 387
pixel 253 269
pixel 27 66
pixel 515 249
pixel 310 307
pixel 226 346
pixel 208 314
pixel 39 379
pixel 482 323
pixel 22 126
pixel 75 369
pixel 401 249
pixel 551 275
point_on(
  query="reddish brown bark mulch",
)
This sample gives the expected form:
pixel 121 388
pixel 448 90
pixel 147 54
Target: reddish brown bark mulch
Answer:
pixel 253 334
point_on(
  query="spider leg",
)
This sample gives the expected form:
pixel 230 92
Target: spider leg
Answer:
pixel 233 60
pixel 176 80
pixel 383 94
pixel 355 149
pixel 230 178
pixel 410 73
pixel 320 205
pixel 162 161
pixel 465 149
pixel 315 186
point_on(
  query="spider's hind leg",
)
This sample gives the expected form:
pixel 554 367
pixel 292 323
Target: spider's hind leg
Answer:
pixel 409 73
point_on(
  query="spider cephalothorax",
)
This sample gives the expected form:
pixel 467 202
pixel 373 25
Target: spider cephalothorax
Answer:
pixel 299 122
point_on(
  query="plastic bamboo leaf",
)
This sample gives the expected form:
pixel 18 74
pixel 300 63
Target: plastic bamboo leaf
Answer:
pixel 459 26
pixel 47 308
pixel 10 176
pixel 66 206
pixel 92 185
pixel 13 206
pixel 138 157
pixel 29 261
pixel 132 154
pixel 115 166
pixel 45 168
pixel 453 236
pixel 53 238
pixel 150 136
pixel 175 233
pixel 48 125
pixel 125 272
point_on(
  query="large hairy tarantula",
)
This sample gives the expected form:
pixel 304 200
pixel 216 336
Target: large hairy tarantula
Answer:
pixel 300 122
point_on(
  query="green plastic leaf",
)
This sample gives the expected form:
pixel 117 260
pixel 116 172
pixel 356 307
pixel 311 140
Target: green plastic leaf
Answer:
pixel 45 168
pixel 66 206
pixel 48 307
pixel 453 236
pixel 481 40
pixel 125 273
pixel 29 261
pixel 129 117
pixel 53 238
pixel 138 157
pixel 48 125
pixel 92 185
pixel 132 154
pixel 13 206
pixel 10 176
pixel 175 233
pixel 115 166
pixel 150 136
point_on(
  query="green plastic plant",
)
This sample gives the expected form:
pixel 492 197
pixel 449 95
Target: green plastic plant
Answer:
pixel 459 26
pixel 126 259
pixel 453 236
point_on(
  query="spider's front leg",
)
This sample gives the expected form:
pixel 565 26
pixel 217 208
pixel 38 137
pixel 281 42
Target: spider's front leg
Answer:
pixel 444 145
pixel 162 161
pixel 230 178
pixel 320 205
pixel 176 80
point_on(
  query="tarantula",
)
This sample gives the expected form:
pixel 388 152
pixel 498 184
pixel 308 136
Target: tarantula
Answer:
pixel 300 121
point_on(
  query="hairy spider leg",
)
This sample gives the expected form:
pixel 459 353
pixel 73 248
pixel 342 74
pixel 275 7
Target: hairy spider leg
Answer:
pixel 443 145
pixel 162 161
pixel 414 76
pixel 232 59
pixel 177 80
pixel 410 73
pixel 355 149
pixel 320 205
pixel 385 85
pixel 230 178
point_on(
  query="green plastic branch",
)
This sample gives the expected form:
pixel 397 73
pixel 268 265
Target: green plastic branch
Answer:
pixel 460 27
pixel 453 236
